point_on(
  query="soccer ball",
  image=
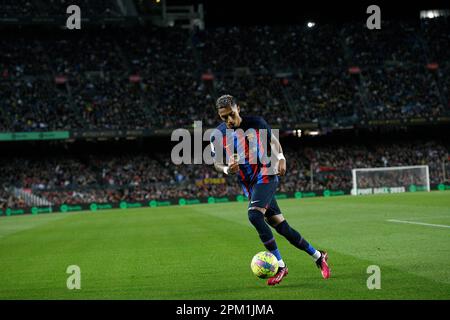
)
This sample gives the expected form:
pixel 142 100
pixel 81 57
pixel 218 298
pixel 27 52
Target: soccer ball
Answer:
pixel 264 265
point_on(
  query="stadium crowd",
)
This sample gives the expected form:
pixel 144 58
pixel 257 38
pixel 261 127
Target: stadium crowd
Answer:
pixel 401 93
pixel 149 77
pixel 142 177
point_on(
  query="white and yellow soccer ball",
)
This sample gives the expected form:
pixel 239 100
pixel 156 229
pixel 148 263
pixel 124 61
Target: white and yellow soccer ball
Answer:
pixel 264 265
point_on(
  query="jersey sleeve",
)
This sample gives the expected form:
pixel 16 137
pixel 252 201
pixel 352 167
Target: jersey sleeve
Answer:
pixel 217 149
pixel 264 125
pixel 212 139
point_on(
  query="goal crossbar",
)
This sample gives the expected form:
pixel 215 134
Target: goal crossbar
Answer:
pixel 391 168
pixel 399 168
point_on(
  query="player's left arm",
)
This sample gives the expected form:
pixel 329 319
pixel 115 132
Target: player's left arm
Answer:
pixel 278 152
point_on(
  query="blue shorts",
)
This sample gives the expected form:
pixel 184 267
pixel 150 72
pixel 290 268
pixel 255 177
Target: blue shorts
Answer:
pixel 263 196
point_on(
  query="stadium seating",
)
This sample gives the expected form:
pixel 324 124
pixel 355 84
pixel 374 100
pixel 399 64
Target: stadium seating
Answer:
pixel 76 179
pixel 302 72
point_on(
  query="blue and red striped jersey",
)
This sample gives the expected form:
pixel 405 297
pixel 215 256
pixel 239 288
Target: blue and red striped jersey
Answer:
pixel 251 143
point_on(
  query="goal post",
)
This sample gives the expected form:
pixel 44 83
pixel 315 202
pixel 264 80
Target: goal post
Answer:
pixel 390 179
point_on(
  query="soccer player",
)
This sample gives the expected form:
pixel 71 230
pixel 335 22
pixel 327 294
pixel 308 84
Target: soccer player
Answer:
pixel 257 181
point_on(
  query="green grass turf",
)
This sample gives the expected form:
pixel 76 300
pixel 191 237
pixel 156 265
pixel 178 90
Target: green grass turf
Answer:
pixel 204 251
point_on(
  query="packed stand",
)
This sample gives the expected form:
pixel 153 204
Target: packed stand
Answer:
pixel 224 49
pixel 141 177
pixel 9 200
pixel 21 8
pixel 259 95
pixel 163 58
pixel 402 93
pixel 395 43
pixel 436 33
pixel 152 77
pixel 105 103
pixel 35 105
pixel 299 48
pixel 324 95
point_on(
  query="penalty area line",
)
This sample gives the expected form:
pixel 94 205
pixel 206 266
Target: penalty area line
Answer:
pixel 420 223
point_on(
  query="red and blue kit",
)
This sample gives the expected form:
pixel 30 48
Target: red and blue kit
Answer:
pixel 250 146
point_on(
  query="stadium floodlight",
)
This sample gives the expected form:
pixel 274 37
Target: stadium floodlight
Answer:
pixel 312 133
pixel 431 14
pixel 390 180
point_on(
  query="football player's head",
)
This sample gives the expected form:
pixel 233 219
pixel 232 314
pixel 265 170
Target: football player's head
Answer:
pixel 228 111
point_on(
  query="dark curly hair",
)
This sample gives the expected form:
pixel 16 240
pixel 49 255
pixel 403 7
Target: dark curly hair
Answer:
pixel 225 101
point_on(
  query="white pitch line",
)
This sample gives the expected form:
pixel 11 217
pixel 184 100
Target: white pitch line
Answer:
pixel 420 223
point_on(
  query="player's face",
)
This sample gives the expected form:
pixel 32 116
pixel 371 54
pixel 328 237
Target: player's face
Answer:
pixel 230 115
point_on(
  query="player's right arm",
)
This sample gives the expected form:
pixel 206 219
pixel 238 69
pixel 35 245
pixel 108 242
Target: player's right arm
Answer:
pixel 231 168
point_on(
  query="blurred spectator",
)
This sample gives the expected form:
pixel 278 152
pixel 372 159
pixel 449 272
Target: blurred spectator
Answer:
pixel 290 74
pixel 141 177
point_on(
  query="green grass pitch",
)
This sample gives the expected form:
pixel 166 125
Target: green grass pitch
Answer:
pixel 204 251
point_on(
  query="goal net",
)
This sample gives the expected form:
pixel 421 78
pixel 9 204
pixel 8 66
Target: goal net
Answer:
pixel 390 180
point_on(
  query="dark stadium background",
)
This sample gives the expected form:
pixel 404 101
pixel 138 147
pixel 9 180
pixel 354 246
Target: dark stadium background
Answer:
pixel 292 12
